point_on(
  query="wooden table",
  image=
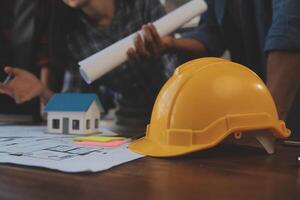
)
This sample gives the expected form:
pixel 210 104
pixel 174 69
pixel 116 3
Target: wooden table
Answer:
pixel 226 172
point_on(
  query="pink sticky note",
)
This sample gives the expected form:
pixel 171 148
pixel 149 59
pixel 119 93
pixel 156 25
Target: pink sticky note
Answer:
pixel 102 144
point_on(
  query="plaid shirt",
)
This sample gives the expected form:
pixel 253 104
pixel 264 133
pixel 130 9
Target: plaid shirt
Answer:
pixel 135 85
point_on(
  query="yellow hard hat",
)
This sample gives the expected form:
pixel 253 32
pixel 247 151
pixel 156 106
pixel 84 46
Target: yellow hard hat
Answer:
pixel 205 101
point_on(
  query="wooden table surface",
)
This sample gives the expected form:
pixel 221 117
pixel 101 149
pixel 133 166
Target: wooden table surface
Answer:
pixel 226 172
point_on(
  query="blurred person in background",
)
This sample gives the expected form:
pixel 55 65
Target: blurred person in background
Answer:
pixel 80 28
pixel 262 35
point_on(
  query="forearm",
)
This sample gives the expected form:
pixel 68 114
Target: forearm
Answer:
pixel 188 46
pixel 46 95
pixel 283 79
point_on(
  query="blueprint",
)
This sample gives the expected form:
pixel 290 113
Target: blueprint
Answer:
pixel 33 146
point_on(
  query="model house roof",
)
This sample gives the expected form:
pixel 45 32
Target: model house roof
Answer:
pixel 72 102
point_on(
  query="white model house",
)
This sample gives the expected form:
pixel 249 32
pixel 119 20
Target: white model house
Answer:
pixel 73 113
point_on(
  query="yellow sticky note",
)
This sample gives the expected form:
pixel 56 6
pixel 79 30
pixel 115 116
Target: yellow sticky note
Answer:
pixel 98 138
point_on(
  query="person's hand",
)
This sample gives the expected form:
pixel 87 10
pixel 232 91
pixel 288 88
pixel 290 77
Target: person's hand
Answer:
pixel 153 45
pixel 23 87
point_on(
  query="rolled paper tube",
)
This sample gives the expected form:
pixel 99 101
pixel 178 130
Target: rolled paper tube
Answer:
pixel 111 57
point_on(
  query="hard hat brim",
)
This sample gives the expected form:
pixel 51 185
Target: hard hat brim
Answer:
pixel 148 147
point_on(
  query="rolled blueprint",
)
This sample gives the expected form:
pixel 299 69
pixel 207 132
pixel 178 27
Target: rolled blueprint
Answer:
pixel 111 57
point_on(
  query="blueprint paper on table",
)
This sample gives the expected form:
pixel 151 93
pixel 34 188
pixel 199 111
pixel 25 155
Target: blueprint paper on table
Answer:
pixel 32 146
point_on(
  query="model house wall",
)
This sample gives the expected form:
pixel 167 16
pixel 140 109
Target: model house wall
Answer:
pixel 71 116
pixel 93 115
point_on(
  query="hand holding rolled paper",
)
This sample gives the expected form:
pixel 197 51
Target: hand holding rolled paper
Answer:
pixel 149 45
pixel 111 57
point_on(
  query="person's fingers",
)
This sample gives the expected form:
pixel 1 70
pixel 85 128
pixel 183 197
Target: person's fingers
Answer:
pixel 4 89
pixel 154 33
pixel 157 44
pixel 149 43
pixel 133 55
pixel 140 47
pixel 12 71
pixel 22 99
pixel 8 70
pixel 18 99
